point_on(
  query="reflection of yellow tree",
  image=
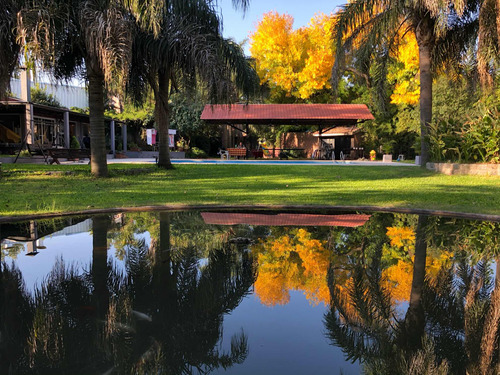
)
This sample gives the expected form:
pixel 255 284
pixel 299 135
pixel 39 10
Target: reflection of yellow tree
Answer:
pixel 292 262
pixel 397 278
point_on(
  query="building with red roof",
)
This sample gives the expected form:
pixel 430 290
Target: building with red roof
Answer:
pixel 339 119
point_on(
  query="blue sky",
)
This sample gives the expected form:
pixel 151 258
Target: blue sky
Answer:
pixel 238 26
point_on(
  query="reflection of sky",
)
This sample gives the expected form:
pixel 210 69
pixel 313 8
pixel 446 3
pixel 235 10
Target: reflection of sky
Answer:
pixel 282 339
pixel 74 249
pixel 287 339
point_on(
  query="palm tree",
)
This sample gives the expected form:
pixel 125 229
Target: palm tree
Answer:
pixel 8 44
pixel 89 38
pixel 370 29
pixel 178 47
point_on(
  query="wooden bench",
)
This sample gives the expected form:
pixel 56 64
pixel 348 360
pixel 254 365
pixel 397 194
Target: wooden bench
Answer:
pixel 67 153
pixel 237 152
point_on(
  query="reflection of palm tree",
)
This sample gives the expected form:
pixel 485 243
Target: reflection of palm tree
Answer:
pixel 165 314
pixel 186 303
pixel 366 325
pixel 15 315
pixel 414 320
pixel 100 271
pixel 450 324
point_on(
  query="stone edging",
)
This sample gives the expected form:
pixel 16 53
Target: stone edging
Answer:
pixel 292 208
pixel 465 169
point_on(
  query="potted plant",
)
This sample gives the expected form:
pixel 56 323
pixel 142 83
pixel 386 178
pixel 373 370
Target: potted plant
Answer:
pixel 387 150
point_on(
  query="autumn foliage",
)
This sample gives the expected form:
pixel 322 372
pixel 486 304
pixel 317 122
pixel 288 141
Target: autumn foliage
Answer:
pixel 404 73
pixel 398 277
pixel 294 261
pixel 299 62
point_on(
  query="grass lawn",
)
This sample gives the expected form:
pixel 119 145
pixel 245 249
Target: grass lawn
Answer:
pixel 30 189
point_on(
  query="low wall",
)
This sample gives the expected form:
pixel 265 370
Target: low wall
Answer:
pixel 469 169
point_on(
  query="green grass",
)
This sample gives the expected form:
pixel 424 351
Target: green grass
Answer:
pixel 30 189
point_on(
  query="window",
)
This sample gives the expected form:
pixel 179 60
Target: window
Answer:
pixel 48 131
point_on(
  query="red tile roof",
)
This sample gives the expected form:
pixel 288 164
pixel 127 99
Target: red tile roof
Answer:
pixel 226 218
pixel 286 113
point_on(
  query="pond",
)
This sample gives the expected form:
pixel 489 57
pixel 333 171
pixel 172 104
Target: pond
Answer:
pixel 250 293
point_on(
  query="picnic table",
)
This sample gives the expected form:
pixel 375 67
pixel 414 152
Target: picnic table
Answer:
pixel 67 153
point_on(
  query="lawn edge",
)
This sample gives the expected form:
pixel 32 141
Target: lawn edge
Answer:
pixel 322 208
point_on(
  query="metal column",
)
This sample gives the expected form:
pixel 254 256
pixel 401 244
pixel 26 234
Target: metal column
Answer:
pixel 67 141
pixel 124 135
pixel 112 136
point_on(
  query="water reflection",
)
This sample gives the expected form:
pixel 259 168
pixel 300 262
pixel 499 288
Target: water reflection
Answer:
pixel 163 315
pixel 444 275
pixel 401 294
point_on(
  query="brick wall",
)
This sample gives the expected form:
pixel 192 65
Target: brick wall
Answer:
pixel 300 140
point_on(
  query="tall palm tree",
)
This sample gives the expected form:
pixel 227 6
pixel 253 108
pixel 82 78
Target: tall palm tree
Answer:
pixel 179 46
pixel 8 44
pixel 370 28
pixel 89 38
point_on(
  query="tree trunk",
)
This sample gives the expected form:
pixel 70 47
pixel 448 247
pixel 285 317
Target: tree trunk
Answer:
pixel 414 319
pixel 486 12
pixel 490 339
pixel 100 264
pixel 98 161
pixel 162 118
pixel 423 35
pixel 497 14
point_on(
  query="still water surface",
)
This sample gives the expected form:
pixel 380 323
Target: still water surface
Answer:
pixel 250 293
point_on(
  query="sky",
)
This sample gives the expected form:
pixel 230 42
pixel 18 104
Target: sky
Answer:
pixel 238 26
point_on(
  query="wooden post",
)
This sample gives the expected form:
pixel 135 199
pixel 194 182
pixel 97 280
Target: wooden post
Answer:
pixel 274 140
pixel 320 143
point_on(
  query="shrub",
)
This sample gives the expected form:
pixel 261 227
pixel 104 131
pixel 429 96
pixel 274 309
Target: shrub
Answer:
pixel 196 153
pixel 74 143
pixel 476 141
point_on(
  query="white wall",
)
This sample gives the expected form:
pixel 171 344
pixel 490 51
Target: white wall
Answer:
pixel 68 96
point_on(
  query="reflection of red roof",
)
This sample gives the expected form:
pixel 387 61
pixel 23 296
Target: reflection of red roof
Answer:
pixel 223 218
pixel 338 131
pixel 286 113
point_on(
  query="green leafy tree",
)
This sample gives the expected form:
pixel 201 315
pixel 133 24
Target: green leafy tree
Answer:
pixel 40 96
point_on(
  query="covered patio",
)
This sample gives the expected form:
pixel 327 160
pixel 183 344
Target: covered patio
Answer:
pixel 237 118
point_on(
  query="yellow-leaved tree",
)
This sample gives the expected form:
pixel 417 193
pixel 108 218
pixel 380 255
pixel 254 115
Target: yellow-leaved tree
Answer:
pixel 299 62
pixel 294 261
pixel 404 73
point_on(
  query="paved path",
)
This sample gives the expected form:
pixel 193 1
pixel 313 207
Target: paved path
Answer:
pixel 263 162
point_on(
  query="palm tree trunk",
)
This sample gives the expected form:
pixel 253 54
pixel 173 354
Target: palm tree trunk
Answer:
pixel 162 118
pixel 414 320
pixel 485 78
pixel 497 13
pixel 98 162
pixel 100 264
pixel 423 35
